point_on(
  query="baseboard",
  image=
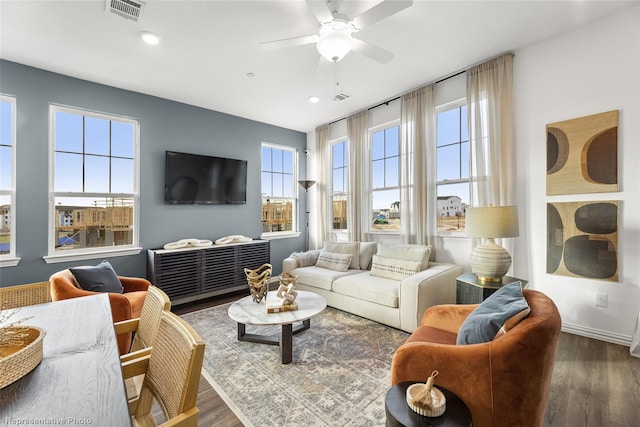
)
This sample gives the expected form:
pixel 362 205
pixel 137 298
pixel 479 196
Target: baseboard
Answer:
pixel 597 334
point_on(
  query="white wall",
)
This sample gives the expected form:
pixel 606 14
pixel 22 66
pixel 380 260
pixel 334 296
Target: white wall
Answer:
pixel 590 70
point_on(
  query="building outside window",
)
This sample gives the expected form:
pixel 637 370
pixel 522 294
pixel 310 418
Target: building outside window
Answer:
pixel 95 184
pixel 452 167
pixel 385 179
pixel 339 184
pixel 7 181
pixel 279 180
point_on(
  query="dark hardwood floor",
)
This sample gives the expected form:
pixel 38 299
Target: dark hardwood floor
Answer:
pixel 595 384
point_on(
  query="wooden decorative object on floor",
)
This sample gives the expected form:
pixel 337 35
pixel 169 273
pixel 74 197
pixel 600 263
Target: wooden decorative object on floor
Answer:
pixel 259 281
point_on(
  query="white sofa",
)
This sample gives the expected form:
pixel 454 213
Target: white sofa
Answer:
pixel 372 287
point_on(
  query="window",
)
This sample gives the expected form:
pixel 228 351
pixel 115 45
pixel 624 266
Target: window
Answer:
pixel 95 186
pixel 7 181
pixel 278 189
pixel 385 179
pixel 339 184
pixel 452 142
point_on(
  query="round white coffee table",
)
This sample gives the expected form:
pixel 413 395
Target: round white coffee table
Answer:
pixel 247 312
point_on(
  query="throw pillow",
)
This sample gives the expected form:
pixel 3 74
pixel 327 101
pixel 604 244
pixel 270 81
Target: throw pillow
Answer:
pixel 367 250
pixel 333 261
pixel 101 278
pixel 391 268
pixel 305 259
pixel 345 248
pixel 507 306
pixel 420 253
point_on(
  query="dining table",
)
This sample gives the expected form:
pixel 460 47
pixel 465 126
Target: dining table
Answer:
pixel 79 380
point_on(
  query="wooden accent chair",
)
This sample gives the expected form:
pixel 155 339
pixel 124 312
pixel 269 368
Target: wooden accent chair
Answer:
pixel 171 375
pixel 125 306
pixel 23 295
pixel 504 382
pixel 146 330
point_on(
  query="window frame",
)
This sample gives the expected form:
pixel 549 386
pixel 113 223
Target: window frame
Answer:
pixel 345 171
pixel 295 221
pixel 372 130
pixel 11 259
pixel 441 109
pixel 92 252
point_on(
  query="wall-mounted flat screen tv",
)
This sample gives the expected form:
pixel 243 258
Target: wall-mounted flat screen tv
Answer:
pixel 194 179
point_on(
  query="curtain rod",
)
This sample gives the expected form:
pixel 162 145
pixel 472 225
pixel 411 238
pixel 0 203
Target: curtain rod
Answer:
pixel 452 75
pixel 400 96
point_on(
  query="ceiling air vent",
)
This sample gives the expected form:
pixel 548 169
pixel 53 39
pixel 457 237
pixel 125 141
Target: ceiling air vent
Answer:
pixel 340 96
pixel 130 9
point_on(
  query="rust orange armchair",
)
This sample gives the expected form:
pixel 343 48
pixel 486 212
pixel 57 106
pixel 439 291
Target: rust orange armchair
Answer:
pixel 504 382
pixel 124 306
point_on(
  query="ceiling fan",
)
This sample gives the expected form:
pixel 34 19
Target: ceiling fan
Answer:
pixel 335 38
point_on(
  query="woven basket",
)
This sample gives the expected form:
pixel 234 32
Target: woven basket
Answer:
pixel 439 401
pixel 17 361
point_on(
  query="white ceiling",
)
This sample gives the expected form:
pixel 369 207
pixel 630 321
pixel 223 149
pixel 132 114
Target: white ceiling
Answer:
pixel 209 47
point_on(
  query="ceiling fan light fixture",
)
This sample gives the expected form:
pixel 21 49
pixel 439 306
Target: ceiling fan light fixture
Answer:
pixel 335 41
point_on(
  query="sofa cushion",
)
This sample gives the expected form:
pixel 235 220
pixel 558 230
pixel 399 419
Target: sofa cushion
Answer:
pixel 101 278
pixel 420 253
pixel 505 306
pixel 366 252
pixel 370 288
pixel 305 259
pixel 334 261
pixel 345 248
pixel 318 277
pixel 392 268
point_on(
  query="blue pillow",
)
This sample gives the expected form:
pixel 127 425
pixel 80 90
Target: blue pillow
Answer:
pixel 101 278
pixel 507 305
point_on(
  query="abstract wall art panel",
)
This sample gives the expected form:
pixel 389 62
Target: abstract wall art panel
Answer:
pixel 582 239
pixel 582 155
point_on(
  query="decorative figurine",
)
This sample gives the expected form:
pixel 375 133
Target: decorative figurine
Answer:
pixel 285 291
pixel 258 281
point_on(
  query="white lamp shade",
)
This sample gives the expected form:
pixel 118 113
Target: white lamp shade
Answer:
pixel 489 261
pixel 335 41
pixel 492 221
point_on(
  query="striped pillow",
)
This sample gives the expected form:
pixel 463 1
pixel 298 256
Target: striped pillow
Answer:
pixel 392 268
pixel 334 261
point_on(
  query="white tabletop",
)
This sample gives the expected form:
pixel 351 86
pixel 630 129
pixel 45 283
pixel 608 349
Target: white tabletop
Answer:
pixel 250 313
pixel 79 380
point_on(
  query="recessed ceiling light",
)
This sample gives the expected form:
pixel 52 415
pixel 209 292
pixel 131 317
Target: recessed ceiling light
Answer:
pixel 149 37
pixel 250 74
pixel 313 99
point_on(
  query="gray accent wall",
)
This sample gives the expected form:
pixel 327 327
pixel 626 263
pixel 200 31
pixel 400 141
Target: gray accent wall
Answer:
pixel 164 125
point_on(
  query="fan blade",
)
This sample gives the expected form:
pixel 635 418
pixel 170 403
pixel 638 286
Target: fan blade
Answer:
pixel 380 11
pixel 321 10
pixel 294 41
pixel 374 52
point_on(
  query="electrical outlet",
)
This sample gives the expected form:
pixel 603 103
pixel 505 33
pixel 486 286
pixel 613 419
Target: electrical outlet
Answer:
pixel 602 300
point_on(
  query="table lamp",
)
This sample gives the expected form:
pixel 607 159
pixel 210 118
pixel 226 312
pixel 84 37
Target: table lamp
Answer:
pixel 490 261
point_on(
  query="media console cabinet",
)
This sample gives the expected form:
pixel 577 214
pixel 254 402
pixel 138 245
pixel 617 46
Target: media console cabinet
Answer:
pixel 190 274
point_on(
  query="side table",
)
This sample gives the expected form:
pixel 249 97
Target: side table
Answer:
pixel 470 290
pixel 400 414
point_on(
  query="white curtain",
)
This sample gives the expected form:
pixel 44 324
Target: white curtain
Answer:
pixel 323 192
pixel 490 116
pixel 417 168
pixel 358 203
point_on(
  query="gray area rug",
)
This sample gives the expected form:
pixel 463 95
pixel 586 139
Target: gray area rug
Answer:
pixel 339 375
